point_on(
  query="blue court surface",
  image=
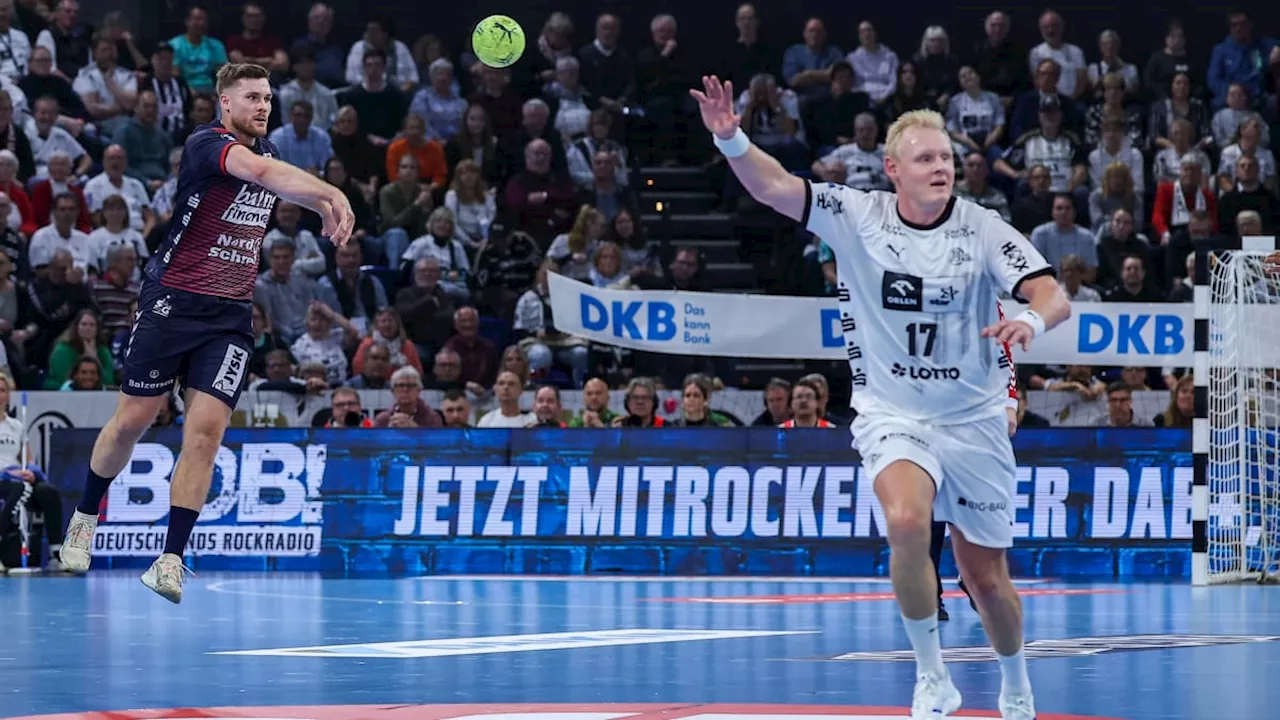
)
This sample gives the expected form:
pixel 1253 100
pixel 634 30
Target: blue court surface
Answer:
pixel 299 646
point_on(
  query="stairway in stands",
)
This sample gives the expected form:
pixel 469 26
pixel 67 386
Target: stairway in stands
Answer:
pixel 677 207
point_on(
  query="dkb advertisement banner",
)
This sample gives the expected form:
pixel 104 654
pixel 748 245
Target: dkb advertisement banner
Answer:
pixel 662 501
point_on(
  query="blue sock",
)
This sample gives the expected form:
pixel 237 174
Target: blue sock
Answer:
pixel 181 522
pixel 95 488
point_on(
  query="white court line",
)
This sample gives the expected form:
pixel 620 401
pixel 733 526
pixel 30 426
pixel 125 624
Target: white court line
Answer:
pixel 221 587
pixel 806 580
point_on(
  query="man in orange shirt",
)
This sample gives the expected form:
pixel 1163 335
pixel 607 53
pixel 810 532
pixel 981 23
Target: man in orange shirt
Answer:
pixel 432 168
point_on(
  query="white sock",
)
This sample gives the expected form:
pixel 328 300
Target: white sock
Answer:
pixel 1013 673
pixel 926 643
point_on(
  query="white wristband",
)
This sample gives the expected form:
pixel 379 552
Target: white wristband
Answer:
pixel 736 146
pixel 1032 318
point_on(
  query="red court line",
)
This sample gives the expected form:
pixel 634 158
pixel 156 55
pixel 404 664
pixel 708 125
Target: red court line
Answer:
pixel 864 596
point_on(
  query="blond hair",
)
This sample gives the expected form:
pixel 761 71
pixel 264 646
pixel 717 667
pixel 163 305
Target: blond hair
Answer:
pixel 924 119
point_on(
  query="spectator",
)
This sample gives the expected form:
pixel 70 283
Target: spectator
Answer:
pixel 999 61
pixel 500 102
pixel 571 253
pixel 540 201
pixel 1225 124
pixel 456 409
pixel 547 409
pixel 472 203
pixel 777 404
pixel 345 410
pixel 1248 193
pixel 479 355
pixel 806 66
pixel 604 192
pixel 46 138
pixel 145 143
pixel 1247 142
pixel 1168 62
pixel 426 308
pixel 397 62
pixel 606 266
pixel 58 182
pixel 14 249
pixel 554 42
pixel 446 372
pixel 322 344
pixel 202 113
pixel 278 376
pixel 771 118
pixel 1026 112
pixel 907 96
pixel 1240 58
pixel 63 235
pixel 1112 108
pixel 438 104
pixel 21 216
pixel 860 164
pixel 85 376
pixel 80 339
pixel 505 268
pixel 1248 224
pixel 196 55
pixel 1079 379
pixel 1117 148
pixel 1176 201
pixel 824 394
pixel 12 138
pixel 301 143
pixel 1111 64
pixel 938 67
pixel 55 298
pixel 1120 409
pixel 641 405
pixel 304 87
pixel 874 65
pixel 349 290
pixel 114 233
pixel 1184 286
pixel 113 181
pixel 975 188
pixel 543 343
pixel 475 142
pixel 66 39
pixel 695 406
pixel 571 105
pixel 595 411
pixel 826 118
pixel 1057 149
pixel 663 78
pixel 535 125
pixel 445 244
pixel 508 413
pixel 364 161
pixel 409 409
pixel 18 470
pixel 374 372
pixel 387 332
pixel 17 46
pixel 41 80
pixel 1074 81
pixel 309 259
pixel 608 71
pixel 430 156
pixel 1168 160
pixel 806 411
pixel 380 105
pixel 358 194
pixel 1199 231
pixel 330 57
pixel 1115 193
pixel 173 95
pixel 1026 418
pixel 514 361
pixel 405 205
pixel 1064 237
pixel 1179 105
pixel 1181 411
pixel 253 45
pixel 265 341
pixel 975 117
pixel 1133 286
pixel 1071 279
pixel 638 257
pixel 1118 241
pixel 285 293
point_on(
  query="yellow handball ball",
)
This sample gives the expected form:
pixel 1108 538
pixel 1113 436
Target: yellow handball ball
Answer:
pixel 498 41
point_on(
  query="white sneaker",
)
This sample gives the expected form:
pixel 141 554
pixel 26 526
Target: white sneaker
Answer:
pixel 77 549
pixel 165 577
pixel 1017 707
pixel 935 696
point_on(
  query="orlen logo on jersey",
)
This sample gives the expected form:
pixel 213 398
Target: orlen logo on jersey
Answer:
pixel 916 373
pixel 251 207
pixel 902 292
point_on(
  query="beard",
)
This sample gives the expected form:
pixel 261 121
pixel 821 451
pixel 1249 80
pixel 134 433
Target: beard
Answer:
pixel 246 127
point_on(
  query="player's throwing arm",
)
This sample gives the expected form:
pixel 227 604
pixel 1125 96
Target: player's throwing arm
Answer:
pixel 298 187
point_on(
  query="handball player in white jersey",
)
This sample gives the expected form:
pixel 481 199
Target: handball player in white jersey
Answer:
pixel 920 273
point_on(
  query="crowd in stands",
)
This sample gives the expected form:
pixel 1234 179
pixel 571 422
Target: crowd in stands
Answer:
pixel 471 184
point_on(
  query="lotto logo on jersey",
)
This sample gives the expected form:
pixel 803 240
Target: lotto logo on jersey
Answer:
pixel 902 292
pixel 251 207
pixel 918 373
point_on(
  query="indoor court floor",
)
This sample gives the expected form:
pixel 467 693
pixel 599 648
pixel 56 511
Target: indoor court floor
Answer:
pixel 508 648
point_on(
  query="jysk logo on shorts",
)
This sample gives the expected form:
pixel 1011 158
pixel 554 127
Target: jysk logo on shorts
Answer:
pixel 902 292
pixel 231 372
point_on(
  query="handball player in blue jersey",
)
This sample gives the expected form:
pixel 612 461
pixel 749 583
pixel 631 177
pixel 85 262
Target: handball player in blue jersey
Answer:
pixel 194 323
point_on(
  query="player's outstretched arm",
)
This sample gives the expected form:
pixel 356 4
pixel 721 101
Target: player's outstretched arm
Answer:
pixel 296 186
pixel 763 177
pixel 1049 307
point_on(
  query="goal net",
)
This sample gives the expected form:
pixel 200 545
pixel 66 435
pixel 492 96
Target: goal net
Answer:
pixel 1243 464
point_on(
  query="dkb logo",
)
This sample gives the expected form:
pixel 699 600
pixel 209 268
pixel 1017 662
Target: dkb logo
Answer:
pixel 1129 334
pixel 635 320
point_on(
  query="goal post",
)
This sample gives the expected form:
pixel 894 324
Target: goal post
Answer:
pixel 1235 498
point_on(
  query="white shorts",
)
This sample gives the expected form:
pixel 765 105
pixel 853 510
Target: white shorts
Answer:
pixel 972 466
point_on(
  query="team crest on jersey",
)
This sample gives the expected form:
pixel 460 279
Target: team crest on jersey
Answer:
pixel 902 292
pixel 960 257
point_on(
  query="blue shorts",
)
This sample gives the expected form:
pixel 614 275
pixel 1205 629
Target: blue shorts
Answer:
pixel 198 341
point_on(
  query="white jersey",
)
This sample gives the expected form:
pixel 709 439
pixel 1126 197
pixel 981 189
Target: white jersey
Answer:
pixel 10 441
pixel 914 302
